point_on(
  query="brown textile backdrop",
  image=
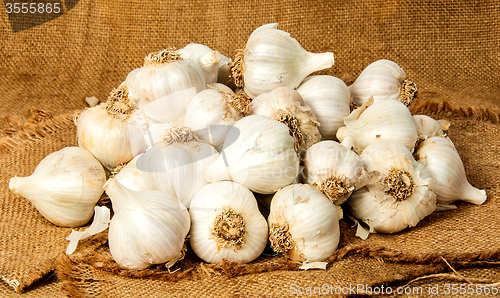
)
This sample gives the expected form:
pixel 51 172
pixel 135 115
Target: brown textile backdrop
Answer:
pixel 449 48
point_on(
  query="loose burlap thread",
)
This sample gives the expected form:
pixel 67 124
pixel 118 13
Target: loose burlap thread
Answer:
pixel 450 49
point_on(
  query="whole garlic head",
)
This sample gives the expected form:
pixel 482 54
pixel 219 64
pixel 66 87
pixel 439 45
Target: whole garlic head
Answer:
pixel 303 224
pixel 64 187
pixel 333 169
pixel 396 191
pixel 330 100
pixel 383 79
pixel 112 131
pixel 273 59
pixel 226 224
pixel 444 163
pixel 285 105
pixel 258 153
pixel 148 227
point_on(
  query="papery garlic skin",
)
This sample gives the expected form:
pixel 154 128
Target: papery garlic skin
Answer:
pixel 112 131
pixel 226 224
pixel 304 224
pixel 333 169
pixel 258 153
pixel 207 59
pixel 176 166
pixel 382 120
pixel 162 89
pixel 444 163
pixel 148 227
pixel 211 114
pixel 64 187
pixel 382 80
pixel 285 105
pixel 330 100
pixel 272 58
pixel 396 191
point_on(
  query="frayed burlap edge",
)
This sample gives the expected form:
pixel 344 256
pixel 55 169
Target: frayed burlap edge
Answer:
pixel 37 127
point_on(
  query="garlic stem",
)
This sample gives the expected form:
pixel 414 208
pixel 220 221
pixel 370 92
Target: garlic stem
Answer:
pixel 474 195
pixel 319 61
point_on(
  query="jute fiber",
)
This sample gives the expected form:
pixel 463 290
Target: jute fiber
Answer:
pixel 449 48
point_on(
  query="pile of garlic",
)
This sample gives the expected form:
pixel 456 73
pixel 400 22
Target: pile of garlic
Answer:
pixel 193 158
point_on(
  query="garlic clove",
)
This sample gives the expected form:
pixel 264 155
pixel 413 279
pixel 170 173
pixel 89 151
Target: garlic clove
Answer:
pixel 132 177
pixel 304 224
pixel 383 79
pixel 64 187
pixel 382 120
pixel 258 153
pixel 207 59
pixel 444 163
pixel 148 227
pixel 330 100
pixel 226 224
pixel 272 58
pixel 285 105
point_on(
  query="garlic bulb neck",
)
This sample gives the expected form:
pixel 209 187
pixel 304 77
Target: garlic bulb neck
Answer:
pixel 400 184
pixel 293 124
pixel 163 56
pixel 228 230
pixel 408 92
pixel 335 188
pixel 179 135
pixel 237 68
pixel 118 104
pixel 241 102
pixel 280 238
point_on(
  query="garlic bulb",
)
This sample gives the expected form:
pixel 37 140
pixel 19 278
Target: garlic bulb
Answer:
pixel 258 153
pixel 443 161
pixel 164 86
pixel 211 114
pixel 333 169
pixel 132 177
pixel 64 187
pixel 396 191
pixel 285 105
pixel 148 227
pixel 175 165
pixel 112 131
pixel 273 59
pixel 330 100
pixel 303 224
pixel 383 79
pixel 226 224
pixel 382 120
pixel 207 59
pixel 428 127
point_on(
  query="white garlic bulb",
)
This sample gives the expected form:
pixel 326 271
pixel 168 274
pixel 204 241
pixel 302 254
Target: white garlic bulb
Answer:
pixel 303 224
pixel 226 224
pixel 207 59
pixel 211 114
pixel 285 105
pixel 148 227
pixel 113 131
pixel 443 161
pixel 383 79
pixel 258 153
pixel 382 120
pixel 164 86
pixel 428 127
pixel 396 191
pixel 272 58
pixel 64 187
pixel 175 164
pixel 333 169
pixel 330 100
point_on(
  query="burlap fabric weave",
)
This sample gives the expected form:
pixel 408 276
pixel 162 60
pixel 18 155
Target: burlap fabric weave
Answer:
pixel 449 48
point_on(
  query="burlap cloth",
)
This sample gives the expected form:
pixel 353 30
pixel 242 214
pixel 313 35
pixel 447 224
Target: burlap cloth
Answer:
pixel 450 49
